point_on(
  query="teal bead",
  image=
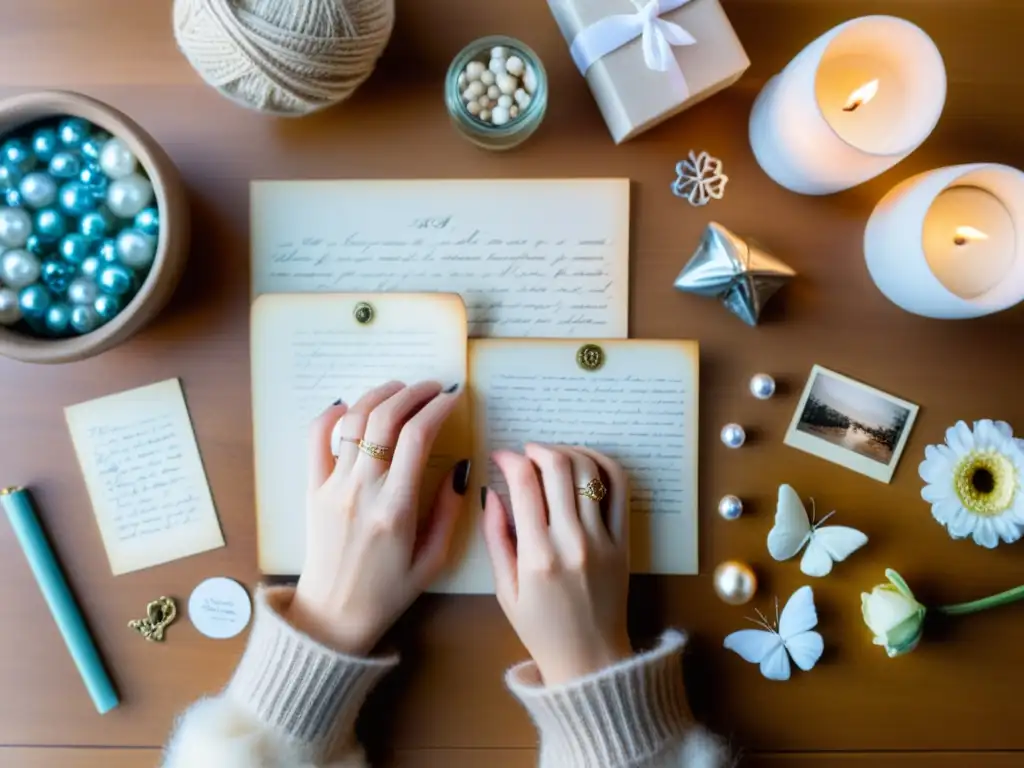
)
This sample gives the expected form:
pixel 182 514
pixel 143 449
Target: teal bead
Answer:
pixel 116 279
pixel 73 131
pixel 65 165
pixel 84 318
pixel 57 276
pixel 50 225
pixel 58 319
pixel 96 224
pixel 9 177
pixel 17 153
pixel 38 246
pixel 108 251
pixel 45 143
pixel 107 306
pixel 13 198
pixel 33 300
pixel 76 198
pixel 74 248
pixel 91 148
pixel 148 221
pixel 90 267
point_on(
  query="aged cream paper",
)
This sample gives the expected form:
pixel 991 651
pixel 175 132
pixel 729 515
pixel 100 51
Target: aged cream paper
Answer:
pixel 531 258
pixel 144 476
pixel 640 408
pixel 309 351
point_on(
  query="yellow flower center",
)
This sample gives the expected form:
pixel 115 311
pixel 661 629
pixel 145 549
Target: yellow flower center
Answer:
pixel 985 482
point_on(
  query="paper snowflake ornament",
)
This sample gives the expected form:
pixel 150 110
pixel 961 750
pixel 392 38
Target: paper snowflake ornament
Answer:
pixel 699 179
pixel 741 275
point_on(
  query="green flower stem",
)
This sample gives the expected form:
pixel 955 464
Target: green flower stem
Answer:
pixel 961 609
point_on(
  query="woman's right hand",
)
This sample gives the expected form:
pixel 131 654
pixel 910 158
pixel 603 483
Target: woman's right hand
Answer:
pixel 564 578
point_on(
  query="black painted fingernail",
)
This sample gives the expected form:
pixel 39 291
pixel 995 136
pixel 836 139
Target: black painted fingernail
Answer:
pixel 339 401
pixel 483 497
pixel 460 480
pixel 452 389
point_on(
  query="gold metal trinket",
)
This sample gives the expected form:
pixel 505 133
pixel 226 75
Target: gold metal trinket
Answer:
pixel 363 313
pixel 159 615
pixel 590 357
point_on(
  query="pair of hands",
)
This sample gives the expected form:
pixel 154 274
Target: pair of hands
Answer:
pixel 561 576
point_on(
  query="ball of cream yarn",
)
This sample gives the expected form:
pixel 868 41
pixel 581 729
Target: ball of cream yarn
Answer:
pixel 286 57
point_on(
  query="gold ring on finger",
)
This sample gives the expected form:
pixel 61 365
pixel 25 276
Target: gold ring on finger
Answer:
pixel 374 451
pixel 595 490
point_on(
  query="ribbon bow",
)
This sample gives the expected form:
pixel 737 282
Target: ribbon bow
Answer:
pixel 612 32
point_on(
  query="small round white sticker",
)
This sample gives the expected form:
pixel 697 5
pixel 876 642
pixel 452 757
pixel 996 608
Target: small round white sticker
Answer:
pixel 220 608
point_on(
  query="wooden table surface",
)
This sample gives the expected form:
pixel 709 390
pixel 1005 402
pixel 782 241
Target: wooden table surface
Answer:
pixel 955 701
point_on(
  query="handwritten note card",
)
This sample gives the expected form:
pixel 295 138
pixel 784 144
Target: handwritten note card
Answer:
pixel 530 258
pixel 144 476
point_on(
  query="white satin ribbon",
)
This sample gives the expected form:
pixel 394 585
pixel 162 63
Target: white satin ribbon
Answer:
pixel 612 32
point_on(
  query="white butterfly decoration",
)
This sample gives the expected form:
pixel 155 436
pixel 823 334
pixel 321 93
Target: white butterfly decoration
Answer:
pixel 825 545
pixel 794 638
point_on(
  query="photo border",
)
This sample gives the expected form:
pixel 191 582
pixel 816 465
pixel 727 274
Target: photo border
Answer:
pixel 845 457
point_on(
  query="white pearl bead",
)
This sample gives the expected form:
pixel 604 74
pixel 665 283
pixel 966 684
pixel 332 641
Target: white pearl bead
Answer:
pixel 730 507
pixel 513 111
pixel 473 108
pixel 515 66
pixel 10 312
pixel 505 101
pixel 128 196
pixel 522 98
pixel 762 386
pixel 497 66
pixel 463 81
pixel 38 190
pixel 487 78
pixel 136 249
pixel 493 92
pixel 530 79
pixel 15 227
pixel 82 291
pixel 733 435
pixel 485 115
pixel 499 52
pixel 735 582
pixel 19 269
pixel 485 103
pixel 116 160
pixel 474 69
pixel 475 90
pixel 507 83
pixel 499 115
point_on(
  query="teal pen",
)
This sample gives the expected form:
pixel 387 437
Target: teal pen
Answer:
pixel 41 559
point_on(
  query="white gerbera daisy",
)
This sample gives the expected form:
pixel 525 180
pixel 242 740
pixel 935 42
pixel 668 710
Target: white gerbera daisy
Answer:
pixel 974 482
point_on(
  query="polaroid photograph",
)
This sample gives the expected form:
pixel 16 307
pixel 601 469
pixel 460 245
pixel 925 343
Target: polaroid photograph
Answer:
pixel 851 424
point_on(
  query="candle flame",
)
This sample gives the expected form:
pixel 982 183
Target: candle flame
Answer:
pixel 964 235
pixel 861 96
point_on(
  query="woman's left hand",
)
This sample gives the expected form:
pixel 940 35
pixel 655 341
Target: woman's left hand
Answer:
pixel 368 557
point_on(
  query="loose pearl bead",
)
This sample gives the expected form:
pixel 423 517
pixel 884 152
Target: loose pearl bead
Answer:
pixel 33 300
pixel 92 147
pixel 497 66
pixel 730 507
pixel 15 227
pixel 499 52
pixel 487 78
pixel 515 66
pixel 74 248
pixel 493 92
pixel 505 101
pixel 507 84
pixel 58 319
pixel 513 111
pixel 107 251
pixel 484 103
pixel 50 225
pixel 77 199
pixel 463 81
pixel 38 190
pixel 10 311
pixel 57 275
pixel 37 246
pixel 474 69
pixel 148 221
pixel 473 108
pixel 84 318
pixel 135 249
pixel 499 115
pixel 90 267
pixel 13 198
pixel 9 176
pixel 116 160
pixel 485 115
pixel 733 435
pixel 522 97
pixel 44 143
pixel 19 268
pixel 475 90
pixel 82 291
pixel 530 80
pixel 65 165
pixel 106 307
pixel 115 279
pixel 18 154
pixel 95 225
pixel 127 196
pixel 762 386
pixel 72 132
pixel 735 582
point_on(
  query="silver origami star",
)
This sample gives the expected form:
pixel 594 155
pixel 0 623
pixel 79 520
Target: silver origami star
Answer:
pixel 740 274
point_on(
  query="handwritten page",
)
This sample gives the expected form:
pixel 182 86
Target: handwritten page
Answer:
pixel 640 408
pixel 545 258
pixel 144 476
pixel 309 351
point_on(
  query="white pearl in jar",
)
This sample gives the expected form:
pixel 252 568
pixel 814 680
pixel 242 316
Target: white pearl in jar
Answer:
pixel 497 66
pixel 530 80
pixel 730 507
pixel 762 386
pixel 474 69
pixel 507 84
pixel 19 269
pixel 82 291
pixel 38 190
pixel 10 312
pixel 487 78
pixel 522 98
pixel 474 90
pixel 463 81
pixel 499 52
pixel 499 115
pixel 733 435
pixel 505 101
pixel 128 196
pixel 485 115
pixel 473 108
pixel 735 582
pixel 116 160
pixel 493 92
pixel 513 111
pixel 136 249
pixel 515 66
pixel 484 102
pixel 15 227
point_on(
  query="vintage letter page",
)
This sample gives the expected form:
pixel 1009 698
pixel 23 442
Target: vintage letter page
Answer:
pixel 144 476
pixel 538 258
pixel 640 408
pixel 309 351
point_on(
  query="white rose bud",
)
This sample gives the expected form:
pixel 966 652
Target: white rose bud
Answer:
pixel 893 615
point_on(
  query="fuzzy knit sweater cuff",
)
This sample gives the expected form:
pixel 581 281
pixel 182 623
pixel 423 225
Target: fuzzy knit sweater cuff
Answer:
pixel 631 714
pixel 305 692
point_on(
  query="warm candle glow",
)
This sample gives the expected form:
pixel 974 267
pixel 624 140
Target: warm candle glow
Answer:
pixel 861 96
pixel 965 235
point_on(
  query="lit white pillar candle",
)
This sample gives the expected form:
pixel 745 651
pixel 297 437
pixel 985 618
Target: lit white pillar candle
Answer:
pixel 950 243
pixel 850 106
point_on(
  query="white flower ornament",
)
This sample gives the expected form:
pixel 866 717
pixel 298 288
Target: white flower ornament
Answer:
pixel 700 179
pixel 974 482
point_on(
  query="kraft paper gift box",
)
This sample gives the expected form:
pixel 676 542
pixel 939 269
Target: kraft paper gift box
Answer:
pixel 647 60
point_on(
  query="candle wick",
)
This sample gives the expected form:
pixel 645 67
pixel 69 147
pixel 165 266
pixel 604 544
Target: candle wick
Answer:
pixel 852 107
pixel 960 240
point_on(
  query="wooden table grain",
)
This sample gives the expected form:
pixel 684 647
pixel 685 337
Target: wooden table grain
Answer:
pixel 954 701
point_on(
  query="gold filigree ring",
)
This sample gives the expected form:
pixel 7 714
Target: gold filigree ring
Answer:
pixel 374 451
pixel 594 490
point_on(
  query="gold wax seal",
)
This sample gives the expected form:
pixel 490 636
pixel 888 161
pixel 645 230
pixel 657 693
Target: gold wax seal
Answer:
pixel 590 357
pixel 363 313
pixel 159 614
